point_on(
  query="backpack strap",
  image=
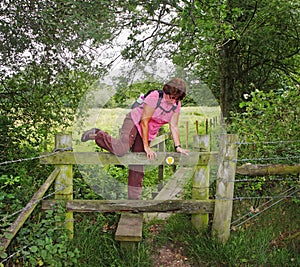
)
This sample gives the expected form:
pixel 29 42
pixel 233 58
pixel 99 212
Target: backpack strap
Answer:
pixel 161 94
pixel 160 97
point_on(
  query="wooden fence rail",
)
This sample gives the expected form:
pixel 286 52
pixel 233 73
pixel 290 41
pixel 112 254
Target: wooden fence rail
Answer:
pixel 199 206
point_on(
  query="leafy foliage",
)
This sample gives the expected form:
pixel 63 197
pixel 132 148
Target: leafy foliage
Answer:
pixel 223 41
pixel 268 125
pixel 54 32
pixel 268 135
pixel 44 243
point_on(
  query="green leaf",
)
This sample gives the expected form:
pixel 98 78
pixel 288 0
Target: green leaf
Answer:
pixel 3 255
pixel 8 235
pixel 34 249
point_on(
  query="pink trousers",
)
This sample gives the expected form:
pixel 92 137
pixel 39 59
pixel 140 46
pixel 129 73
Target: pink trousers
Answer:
pixel 129 140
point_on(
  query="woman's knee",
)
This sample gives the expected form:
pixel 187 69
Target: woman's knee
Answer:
pixel 120 153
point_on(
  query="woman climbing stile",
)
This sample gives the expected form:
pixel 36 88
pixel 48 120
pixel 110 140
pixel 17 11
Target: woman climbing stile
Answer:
pixel 140 126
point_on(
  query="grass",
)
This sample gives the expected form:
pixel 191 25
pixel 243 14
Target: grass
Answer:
pixel 269 240
pixel 111 120
pixel 94 236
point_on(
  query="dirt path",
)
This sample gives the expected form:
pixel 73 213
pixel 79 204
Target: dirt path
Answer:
pixel 168 255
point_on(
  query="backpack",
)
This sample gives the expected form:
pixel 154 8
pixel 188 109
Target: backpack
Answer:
pixel 140 101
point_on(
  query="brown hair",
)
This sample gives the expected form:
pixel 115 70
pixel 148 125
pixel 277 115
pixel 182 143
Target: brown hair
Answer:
pixel 176 87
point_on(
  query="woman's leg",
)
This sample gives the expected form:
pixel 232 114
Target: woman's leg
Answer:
pixel 118 146
pixel 129 138
pixel 136 172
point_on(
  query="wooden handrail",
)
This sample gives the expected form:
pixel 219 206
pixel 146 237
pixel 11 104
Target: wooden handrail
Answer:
pixel 104 158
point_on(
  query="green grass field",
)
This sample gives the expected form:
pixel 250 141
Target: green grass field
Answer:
pixel 111 120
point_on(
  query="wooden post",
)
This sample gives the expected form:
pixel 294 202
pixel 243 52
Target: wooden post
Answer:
pixel 161 148
pixel 64 181
pixel 225 187
pixel 200 189
pixel 187 135
pixel 206 126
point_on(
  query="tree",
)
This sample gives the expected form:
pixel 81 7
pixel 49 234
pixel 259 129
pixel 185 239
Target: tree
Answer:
pixel 236 46
pixel 61 34
pixel 48 52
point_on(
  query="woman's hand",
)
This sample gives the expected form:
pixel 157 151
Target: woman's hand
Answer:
pixel 150 153
pixel 182 150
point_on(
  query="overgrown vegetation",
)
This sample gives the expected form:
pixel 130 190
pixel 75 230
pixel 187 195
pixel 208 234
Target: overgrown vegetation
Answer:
pixel 269 239
pixel 246 51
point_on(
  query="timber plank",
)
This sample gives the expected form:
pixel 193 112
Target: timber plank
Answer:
pixel 172 190
pixel 174 187
pixel 130 227
pixel 267 169
pixel 101 158
pixel 134 206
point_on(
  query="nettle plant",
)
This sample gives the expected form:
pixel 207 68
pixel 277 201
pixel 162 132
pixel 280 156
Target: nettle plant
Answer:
pixel 45 242
pixel 270 134
pixel 269 125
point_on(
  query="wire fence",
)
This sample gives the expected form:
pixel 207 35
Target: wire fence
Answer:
pixel 272 200
pixel 291 192
pixel 60 188
pixel 252 214
pixel 55 151
pixel 4 218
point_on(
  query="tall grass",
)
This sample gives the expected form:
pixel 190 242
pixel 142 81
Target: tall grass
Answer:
pixel 269 240
pixel 94 237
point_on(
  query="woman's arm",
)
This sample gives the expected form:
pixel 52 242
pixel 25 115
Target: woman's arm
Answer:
pixel 146 117
pixel 175 133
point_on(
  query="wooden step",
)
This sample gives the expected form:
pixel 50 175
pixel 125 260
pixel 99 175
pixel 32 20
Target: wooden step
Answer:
pixel 130 228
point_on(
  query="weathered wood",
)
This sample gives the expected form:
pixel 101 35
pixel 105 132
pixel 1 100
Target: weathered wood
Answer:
pixel 134 206
pixel 161 148
pixel 200 190
pixel 64 181
pixel 269 169
pixel 130 228
pixel 172 190
pixel 225 187
pixel 160 139
pixel 27 210
pixel 186 134
pixel 100 158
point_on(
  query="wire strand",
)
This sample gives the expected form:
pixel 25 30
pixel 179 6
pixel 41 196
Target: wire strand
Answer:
pixel 35 202
pixel 37 157
pixel 267 142
pixel 266 203
pixel 255 215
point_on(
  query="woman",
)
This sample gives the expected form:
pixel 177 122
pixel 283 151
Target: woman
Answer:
pixel 140 126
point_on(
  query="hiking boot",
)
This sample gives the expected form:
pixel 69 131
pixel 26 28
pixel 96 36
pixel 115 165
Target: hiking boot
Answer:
pixel 89 135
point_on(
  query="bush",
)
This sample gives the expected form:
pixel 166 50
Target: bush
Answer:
pixel 268 125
